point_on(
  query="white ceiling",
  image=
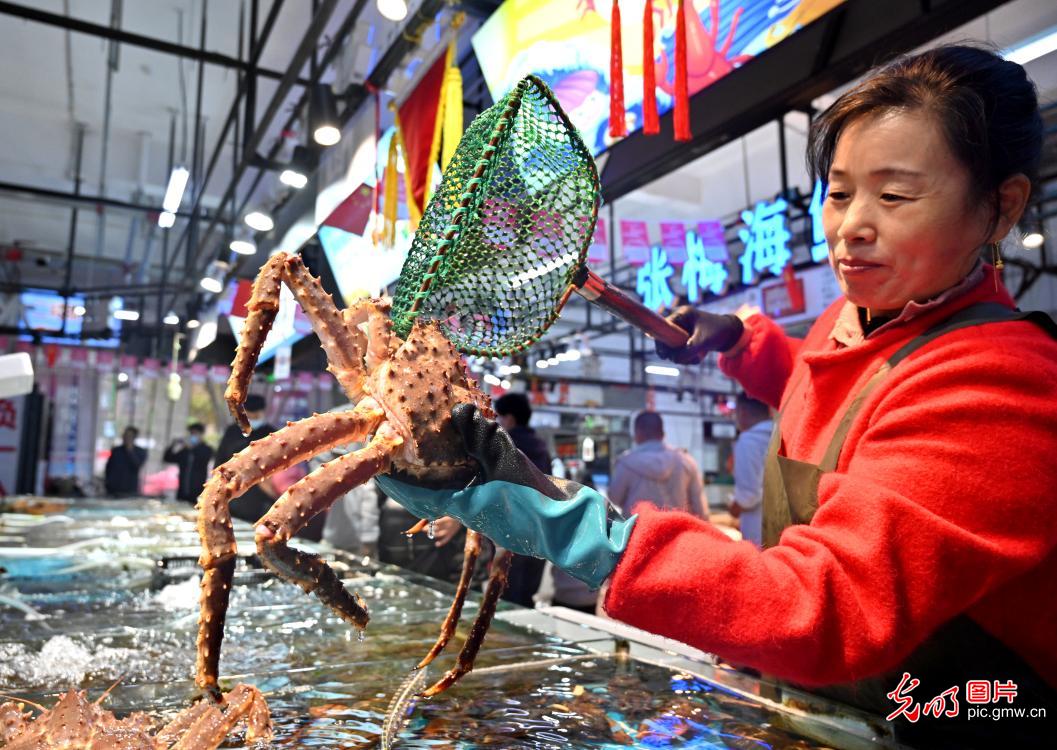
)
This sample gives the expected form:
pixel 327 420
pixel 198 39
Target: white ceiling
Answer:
pixel 41 107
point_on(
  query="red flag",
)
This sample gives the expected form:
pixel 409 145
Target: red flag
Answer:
pixel 418 116
pixel 650 122
pixel 682 98
pixel 617 126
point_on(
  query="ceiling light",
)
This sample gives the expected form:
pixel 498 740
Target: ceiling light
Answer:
pixel 542 364
pixel 243 247
pixel 1033 240
pixel 171 319
pixel 323 114
pixel 505 385
pixel 672 372
pixel 193 323
pixel 166 219
pixel 126 314
pixel 514 369
pixel 1033 49
pixel 122 377
pixel 213 281
pixel 174 193
pixel 259 221
pixel 293 178
pixel 79 310
pixel 552 361
pixel 394 10
pixel 491 379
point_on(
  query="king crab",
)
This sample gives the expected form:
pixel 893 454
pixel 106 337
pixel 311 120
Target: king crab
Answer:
pixel 73 722
pixel 403 391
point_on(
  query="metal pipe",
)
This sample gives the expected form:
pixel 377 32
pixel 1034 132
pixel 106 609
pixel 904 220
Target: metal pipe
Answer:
pixel 269 23
pixel 196 185
pixel 68 275
pixel 77 199
pixel 111 67
pixel 137 40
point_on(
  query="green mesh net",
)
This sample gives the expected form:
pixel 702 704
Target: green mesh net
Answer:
pixel 510 224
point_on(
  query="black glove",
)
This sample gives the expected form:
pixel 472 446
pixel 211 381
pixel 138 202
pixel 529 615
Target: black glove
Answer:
pixel 708 333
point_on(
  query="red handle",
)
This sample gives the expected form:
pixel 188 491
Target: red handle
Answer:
pixel 598 291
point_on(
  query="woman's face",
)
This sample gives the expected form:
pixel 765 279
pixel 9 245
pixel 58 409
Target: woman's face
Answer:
pixel 898 217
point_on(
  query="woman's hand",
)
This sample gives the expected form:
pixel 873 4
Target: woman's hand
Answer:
pixel 708 333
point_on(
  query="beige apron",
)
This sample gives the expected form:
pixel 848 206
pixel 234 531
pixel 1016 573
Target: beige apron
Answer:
pixel 960 649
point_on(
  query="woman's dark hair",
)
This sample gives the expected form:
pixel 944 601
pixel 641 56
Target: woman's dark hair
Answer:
pixel 987 108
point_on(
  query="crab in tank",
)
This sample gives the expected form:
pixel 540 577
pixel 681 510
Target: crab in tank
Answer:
pixel 403 392
pixel 74 722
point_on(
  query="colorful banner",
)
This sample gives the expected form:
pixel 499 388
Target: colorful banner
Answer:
pixel 634 241
pixel 567 44
pixel 673 241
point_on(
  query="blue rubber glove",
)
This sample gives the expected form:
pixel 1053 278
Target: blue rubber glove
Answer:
pixel 520 508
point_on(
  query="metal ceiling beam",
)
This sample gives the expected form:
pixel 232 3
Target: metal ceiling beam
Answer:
pixel 332 52
pixel 305 49
pixel 78 199
pixel 356 96
pixel 137 40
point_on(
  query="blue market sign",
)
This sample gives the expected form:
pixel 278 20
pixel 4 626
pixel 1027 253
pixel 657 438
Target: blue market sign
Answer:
pixel 766 237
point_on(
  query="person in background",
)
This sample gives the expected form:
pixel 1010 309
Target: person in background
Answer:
pixel 513 413
pixel 192 457
pixel 256 501
pixel 655 471
pixel 122 468
pixel 753 419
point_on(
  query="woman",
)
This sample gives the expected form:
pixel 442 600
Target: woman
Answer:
pixel 918 418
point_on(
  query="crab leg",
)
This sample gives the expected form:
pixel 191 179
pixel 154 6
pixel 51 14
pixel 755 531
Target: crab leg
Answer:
pixel 343 344
pixel 283 448
pixel 497 581
pixel 305 499
pixel 211 725
pixel 447 630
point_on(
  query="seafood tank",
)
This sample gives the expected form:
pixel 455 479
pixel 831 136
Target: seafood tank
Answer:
pixel 97 593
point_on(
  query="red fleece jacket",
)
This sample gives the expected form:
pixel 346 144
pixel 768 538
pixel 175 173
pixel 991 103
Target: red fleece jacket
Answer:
pixel 944 502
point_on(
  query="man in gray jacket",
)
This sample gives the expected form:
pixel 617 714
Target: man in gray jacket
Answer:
pixel 655 471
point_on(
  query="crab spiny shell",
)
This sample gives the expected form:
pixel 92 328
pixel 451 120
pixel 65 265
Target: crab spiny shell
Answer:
pixel 424 379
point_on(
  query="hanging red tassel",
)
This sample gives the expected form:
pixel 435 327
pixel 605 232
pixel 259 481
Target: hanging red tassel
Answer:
pixel 617 127
pixel 651 124
pixel 682 103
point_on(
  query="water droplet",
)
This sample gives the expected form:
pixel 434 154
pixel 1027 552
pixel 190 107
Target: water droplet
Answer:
pixel 429 531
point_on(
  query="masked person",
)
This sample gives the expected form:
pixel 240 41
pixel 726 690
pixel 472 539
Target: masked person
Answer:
pixel 910 521
pixel 191 457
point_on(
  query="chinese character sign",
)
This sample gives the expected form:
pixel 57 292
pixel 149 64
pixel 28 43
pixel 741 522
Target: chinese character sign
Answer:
pixel 700 273
pixel 653 277
pixel 819 248
pixel 766 240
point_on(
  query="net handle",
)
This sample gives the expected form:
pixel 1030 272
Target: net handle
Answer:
pixel 598 291
pixel 453 229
